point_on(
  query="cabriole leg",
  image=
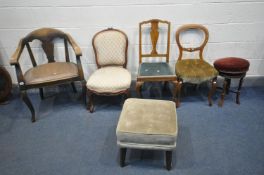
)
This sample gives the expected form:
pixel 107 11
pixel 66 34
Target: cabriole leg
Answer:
pixel 138 88
pixel 178 92
pixel 221 102
pixel 90 105
pixel 212 91
pixel 29 104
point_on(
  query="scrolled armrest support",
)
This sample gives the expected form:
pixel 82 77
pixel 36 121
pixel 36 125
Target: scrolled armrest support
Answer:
pixel 76 48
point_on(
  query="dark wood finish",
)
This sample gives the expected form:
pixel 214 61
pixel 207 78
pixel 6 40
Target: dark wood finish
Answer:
pixel 6 85
pixel 178 92
pixel 238 90
pixel 29 104
pixel 212 91
pixel 46 36
pixel 175 83
pixel 168 160
pixel 90 105
pixel 48 48
pixel 41 93
pixel 154 35
pixel 73 87
pixel 200 49
pixel 139 85
pixel 122 156
pixel 91 93
pixel 67 58
pixel 31 55
pixel 226 86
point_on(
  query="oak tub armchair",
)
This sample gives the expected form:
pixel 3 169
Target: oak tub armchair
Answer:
pixel 51 72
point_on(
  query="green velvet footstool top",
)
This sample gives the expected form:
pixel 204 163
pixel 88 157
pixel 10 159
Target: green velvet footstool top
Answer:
pixel 148 124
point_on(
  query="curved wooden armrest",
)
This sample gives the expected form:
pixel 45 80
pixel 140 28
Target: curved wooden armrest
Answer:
pixel 76 48
pixel 16 55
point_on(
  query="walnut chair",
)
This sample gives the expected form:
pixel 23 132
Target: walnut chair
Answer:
pixel 50 73
pixel 194 71
pixel 150 71
pixel 111 77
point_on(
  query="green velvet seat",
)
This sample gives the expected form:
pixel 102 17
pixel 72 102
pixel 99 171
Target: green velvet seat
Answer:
pixel 149 125
pixel 195 71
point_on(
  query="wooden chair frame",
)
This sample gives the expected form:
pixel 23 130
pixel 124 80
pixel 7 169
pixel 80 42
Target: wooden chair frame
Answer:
pixel 190 49
pixel 154 34
pixel 91 93
pixel 154 39
pixel 46 36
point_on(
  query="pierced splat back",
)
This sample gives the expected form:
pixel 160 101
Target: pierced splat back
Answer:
pixel 48 48
pixel 46 36
pixel 154 36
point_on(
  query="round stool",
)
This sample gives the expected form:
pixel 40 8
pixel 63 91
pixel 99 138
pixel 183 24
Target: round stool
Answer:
pixel 228 68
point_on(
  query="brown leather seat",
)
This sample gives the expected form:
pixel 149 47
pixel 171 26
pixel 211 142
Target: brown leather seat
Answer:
pixel 51 72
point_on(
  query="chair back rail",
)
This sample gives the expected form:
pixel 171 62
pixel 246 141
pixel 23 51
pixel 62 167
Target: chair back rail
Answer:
pixel 154 36
pixel 200 48
pixel 46 36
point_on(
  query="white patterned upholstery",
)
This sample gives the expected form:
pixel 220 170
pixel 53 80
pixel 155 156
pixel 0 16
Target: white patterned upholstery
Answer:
pixel 110 79
pixel 110 48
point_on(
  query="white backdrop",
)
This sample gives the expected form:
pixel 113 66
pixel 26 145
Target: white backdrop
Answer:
pixel 236 27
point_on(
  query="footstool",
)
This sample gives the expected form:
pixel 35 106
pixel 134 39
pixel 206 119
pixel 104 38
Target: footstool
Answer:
pixel 147 124
pixel 229 68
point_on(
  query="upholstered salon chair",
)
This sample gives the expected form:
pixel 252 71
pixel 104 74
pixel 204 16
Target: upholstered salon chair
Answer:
pixel 194 71
pixel 154 63
pixel 111 77
pixel 51 72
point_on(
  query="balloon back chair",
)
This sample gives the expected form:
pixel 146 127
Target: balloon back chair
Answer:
pixel 51 72
pixel 111 77
pixel 194 71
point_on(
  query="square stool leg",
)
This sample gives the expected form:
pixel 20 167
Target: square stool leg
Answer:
pixel 122 156
pixel 168 160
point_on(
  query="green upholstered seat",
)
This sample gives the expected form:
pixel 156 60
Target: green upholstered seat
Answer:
pixel 195 71
pixel 147 124
pixel 155 70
